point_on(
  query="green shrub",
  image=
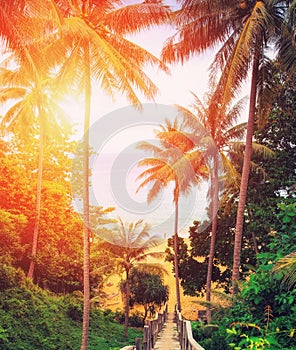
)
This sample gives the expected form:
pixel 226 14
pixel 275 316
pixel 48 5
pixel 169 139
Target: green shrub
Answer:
pixel 211 337
pixel 119 316
pixel 136 319
pixel 10 277
pixel 75 311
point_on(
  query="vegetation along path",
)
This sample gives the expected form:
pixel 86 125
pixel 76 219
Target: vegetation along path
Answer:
pixel 168 337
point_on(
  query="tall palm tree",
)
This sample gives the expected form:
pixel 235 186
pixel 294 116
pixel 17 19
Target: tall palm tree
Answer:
pixel 171 163
pixel 221 132
pixel 31 89
pixel 24 30
pixel 242 28
pixel 95 48
pixel 129 247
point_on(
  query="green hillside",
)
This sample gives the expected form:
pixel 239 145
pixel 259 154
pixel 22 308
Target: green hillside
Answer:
pixel 31 319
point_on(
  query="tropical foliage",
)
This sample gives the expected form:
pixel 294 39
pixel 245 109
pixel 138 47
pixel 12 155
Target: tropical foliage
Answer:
pixel 147 289
pixel 242 30
pixel 54 48
pixel 52 322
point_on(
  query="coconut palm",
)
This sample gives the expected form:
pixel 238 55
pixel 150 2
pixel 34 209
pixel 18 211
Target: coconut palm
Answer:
pixel 31 89
pixel 221 133
pixel 175 160
pixel 24 29
pixel 242 28
pixel 95 49
pixel 224 152
pixel 162 174
pixel 129 247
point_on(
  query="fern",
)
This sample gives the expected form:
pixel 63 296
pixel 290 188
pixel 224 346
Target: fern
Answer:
pixel 268 316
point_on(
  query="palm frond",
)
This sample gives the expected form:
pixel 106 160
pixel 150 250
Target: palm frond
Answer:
pixel 232 175
pixel 235 133
pixel 133 18
pixel 221 58
pixel 11 93
pixel 287 265
pixel 135 53
pixel 267 88
pixel 189 118
pixel 262 150
pixel 154 191
pixel 148 147
pixel 234 113
pixel 154 268
pixel 193 35
pixel 22 111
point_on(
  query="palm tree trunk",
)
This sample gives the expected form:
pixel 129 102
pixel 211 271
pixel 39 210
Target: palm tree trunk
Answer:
pixel 245 176
pixel 126 309
pixel 213 237
pixel 38 201
pixel 176 265
pixel 86 240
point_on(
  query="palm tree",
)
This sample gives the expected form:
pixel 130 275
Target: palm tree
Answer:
pixel 221 132
pixel 128 247
pixel 171 163
pixel 25 29
pixel 95 48
pixel 242 28
pixel 31 89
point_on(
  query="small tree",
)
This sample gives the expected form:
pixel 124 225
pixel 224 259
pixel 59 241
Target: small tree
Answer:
pixel 129 247
pixel 147 289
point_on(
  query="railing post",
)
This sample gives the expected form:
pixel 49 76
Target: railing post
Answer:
pixel 146 337
pixel 152 323
pixel 184 336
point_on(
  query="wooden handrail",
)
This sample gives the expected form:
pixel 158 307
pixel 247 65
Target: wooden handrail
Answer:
pixel 186 339
pixel 151 330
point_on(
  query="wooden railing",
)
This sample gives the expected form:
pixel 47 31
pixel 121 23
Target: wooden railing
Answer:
pixel 185 334
pixel 151 330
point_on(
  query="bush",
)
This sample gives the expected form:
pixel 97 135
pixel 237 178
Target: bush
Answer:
pixel 10 277
pixel 75 312
pixel 211 337
pixel 136 320
pixel 119 316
